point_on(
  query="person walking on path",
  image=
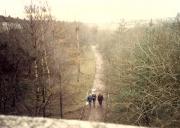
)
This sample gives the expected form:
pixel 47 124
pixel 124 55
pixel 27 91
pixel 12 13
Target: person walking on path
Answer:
pixel 89 100
pixel 94 99
pixel 100 99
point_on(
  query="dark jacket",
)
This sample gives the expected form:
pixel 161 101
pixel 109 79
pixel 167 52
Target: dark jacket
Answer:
pixel 89 98
pixel 93 97
pixel 100 97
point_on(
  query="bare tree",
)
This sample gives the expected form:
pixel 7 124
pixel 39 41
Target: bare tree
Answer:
pixel 39 19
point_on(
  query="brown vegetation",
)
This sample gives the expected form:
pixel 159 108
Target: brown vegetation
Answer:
pixel 142 74
pixel 38 65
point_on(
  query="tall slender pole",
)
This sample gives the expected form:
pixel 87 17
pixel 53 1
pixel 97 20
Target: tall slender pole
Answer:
pixel 78 50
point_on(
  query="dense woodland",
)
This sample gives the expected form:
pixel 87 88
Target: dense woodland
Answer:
pixel 47 68
pixel 143 73
pixel 40 63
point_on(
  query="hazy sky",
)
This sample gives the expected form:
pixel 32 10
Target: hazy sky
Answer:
pixel 99 10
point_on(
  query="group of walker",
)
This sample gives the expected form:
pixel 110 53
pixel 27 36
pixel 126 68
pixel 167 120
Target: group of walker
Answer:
pixel 92 98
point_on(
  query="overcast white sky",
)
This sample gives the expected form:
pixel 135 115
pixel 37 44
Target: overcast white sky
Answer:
pixel 99 10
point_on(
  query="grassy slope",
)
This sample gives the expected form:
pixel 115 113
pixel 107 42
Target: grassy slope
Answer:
pixel 85 83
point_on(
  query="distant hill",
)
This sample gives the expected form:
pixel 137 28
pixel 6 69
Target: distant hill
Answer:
pixel 9 19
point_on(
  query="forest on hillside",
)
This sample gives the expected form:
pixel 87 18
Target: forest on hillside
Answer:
pixel 47 67
pixel 39 65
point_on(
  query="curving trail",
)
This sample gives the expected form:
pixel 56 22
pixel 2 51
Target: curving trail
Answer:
pixel 97 113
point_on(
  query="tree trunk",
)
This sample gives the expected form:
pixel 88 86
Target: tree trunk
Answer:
pixel 60 94
pixel 36 88
pixel 14 96
pixel 4 104
pixel 43 87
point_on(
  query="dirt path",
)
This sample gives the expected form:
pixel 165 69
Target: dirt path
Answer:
pixel 97 113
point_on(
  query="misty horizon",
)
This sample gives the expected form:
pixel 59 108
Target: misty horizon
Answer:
pixel 98 12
